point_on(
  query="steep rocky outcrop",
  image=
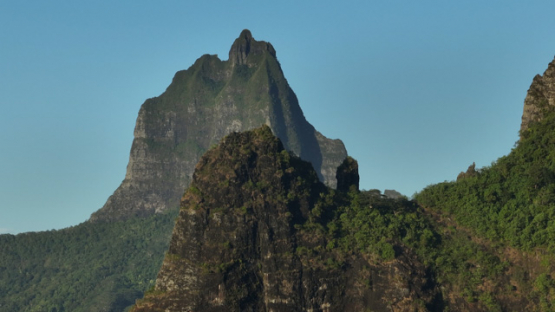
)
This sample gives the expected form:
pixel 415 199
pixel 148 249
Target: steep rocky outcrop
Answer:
pixel 540 98
pixel 347 175
pixel 202 104
pixel 244 241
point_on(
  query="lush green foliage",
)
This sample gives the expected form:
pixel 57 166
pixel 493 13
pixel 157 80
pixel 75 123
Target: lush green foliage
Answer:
pixel 384 229
pixel 373 224
pixel 513 201
pixel 89 267
pixel 509 204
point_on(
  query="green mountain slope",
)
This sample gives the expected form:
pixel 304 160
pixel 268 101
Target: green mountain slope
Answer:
pixel 510 208
pixel 258 232
pixel 513 200
pixel 88 267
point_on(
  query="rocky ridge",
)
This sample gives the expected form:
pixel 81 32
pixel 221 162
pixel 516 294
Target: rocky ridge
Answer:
pixel 540 98
pixel 202 104
pixel 242 241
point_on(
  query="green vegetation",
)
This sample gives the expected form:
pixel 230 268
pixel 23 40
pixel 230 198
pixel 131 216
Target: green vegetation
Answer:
pixel 513 200
pixel 510 204
pixel 89 267
pixel 461 230
pixel 384 229
pixel 373 224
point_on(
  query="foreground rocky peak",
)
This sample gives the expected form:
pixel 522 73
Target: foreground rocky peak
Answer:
pixel 244 237
pixel 540 98
pixel 203 104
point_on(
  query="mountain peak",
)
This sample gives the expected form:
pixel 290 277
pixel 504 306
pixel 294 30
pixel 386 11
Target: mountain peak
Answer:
pixel 245 45
pixel 250 233
pixel 204 103
pixel 246 34
pixel 540 98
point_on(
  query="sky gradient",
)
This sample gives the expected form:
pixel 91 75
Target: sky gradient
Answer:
pixel 417 90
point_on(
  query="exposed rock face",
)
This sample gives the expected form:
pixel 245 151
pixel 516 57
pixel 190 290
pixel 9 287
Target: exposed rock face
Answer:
pixel 540 97
pixel 239 242
pixel 347 175
pixel 202 104
pixel 246 46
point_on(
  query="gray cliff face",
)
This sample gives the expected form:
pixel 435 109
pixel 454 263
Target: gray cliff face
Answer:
pixel 540 97
pixel 203 104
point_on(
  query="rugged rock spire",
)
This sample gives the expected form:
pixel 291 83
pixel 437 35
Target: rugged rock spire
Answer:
pixel 347 175
pixel 245 45
pixel 540 97
pixel 203 104
pixel 241 242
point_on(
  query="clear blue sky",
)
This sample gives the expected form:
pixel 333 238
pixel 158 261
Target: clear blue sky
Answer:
pixel 417 90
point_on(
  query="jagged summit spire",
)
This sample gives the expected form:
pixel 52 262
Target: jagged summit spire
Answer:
pixel 245 45
pixel 246 34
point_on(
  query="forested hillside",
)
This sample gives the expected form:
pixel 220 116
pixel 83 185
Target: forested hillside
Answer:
pixel 513 200
pixel 242 222
pixel 510 208
pixel 88 267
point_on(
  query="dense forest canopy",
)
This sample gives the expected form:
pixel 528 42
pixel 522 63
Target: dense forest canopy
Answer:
pixel 88 267
pixel 513 200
